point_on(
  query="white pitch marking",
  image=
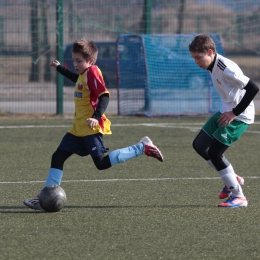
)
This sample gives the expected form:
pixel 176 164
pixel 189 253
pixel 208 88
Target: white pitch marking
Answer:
pixel 190 126
pixel 135 124
pixel 31 126
pixel 126 180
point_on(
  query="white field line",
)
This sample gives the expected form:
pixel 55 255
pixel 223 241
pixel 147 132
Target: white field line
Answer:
pixel 125 180
pixel 190 126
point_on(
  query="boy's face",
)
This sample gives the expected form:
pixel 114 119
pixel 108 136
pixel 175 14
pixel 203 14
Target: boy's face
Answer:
pixel 81 64
pixel 203 59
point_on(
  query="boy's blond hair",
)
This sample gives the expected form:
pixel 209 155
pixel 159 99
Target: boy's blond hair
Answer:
pixel 88 49
pixel 202 43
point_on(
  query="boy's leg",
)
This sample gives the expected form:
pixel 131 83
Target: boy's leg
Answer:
pixel 204 140
pixel 125 154
pixel 223 138
pixel 234 192
pixel 145 146
pixel 56 171
pixel 69 145
pixel 97 150
pixel 201 145
pixel 225 192
pixel 224 168
pixel 54 177
pixel 118 156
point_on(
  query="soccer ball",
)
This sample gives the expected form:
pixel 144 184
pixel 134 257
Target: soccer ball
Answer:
pixel 52 198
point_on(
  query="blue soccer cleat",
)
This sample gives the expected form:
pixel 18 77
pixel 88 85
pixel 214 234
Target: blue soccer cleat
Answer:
pixel 234 202
pixel 225 193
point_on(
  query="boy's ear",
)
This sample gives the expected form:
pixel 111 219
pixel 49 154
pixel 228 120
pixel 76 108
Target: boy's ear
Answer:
pixel 92 61
pixel 210 52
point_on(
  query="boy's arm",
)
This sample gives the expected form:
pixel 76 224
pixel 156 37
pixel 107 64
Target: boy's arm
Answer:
pixel 103 101
pixel 96 84
pixel 251 90
pixel 67 73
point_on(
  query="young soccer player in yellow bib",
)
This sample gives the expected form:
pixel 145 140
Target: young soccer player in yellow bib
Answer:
pixel 91 98
pixel 226 126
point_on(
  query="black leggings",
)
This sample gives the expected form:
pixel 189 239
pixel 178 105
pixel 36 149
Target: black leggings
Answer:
pixel 211 149
pixel 60 156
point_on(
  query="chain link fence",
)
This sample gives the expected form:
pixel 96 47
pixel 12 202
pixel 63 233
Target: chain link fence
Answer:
pixel 29 32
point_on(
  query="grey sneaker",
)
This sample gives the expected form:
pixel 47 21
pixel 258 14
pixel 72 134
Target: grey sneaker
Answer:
pixel 150 149
pixel 34 204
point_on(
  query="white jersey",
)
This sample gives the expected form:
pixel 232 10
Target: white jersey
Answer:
pixel 229 81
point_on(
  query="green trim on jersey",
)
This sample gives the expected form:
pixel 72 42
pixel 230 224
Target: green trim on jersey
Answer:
pixel 224 134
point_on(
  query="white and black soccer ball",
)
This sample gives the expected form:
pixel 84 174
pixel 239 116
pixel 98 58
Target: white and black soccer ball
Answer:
pixel 52 198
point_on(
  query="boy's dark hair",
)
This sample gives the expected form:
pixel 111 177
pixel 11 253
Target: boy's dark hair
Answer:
pixel 88 49
pixel 202 43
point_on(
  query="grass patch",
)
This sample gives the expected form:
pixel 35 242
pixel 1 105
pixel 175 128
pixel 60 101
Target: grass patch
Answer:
pixel 142 209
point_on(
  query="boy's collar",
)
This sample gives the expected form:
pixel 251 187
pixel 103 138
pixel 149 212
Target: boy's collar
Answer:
pixel 210 67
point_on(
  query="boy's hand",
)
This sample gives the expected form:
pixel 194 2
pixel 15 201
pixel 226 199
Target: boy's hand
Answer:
pixel 54 63
pixel 92 122
pixel 226 118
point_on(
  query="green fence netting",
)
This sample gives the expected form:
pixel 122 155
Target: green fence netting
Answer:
pixel 29 33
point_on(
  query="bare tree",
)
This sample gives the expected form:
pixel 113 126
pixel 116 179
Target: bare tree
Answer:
pixel 34 75
pixel 71 20
pixel 181 16
pixel 46 45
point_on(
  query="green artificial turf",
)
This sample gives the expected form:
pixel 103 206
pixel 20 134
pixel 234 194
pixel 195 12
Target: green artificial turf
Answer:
pixel 142 209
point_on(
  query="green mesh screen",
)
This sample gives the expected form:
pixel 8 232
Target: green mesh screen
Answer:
pixel 157 76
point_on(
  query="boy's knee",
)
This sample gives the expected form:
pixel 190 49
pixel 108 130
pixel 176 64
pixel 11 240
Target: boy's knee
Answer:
pixel 102 162
pixel 194 145
pixel 198 147
pixel 213 154
pixel 99 166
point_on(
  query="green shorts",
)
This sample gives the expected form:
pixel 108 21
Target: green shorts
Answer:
pixel 224 134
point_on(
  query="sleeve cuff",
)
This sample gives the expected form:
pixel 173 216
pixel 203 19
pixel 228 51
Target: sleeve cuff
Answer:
pixel 236 113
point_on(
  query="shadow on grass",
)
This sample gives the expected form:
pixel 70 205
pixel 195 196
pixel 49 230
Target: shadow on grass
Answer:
pixel 138 207
pixel 17 209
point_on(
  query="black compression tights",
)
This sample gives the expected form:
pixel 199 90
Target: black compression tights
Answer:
pixel 60 156
pixel 211 149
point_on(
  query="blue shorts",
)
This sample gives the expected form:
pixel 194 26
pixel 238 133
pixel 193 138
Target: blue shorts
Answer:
pixel 88 145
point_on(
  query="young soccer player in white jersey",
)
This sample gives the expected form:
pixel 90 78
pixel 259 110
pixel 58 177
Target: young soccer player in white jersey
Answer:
pixel 91 99
pixel 236 113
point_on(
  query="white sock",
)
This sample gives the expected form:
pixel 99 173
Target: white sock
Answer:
pixel 209 162
pixel 229 177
